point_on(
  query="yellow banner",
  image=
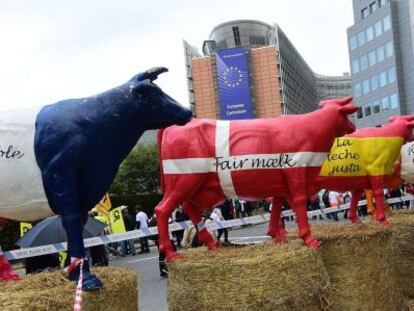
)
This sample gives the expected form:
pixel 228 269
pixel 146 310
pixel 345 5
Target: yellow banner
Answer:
pixel 116 220
pixel 351 156
pixel 24 227
pixel 103 206
pixel 62 258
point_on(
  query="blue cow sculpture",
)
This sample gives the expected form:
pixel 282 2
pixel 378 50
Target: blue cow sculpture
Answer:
pixel 74 148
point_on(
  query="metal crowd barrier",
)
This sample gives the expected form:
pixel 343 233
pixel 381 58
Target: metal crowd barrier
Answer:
pixel 135 234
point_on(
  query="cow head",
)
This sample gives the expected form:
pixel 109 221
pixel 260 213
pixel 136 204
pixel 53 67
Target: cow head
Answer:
pixel 406 125
pixel 342 107
pixel 157 109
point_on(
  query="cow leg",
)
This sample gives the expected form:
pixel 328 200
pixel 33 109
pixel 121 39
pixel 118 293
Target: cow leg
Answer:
pixel 300 208
pixel 276 226
pixel 6 269
pixel 353 209
pixel 203 235
pixel 377 189
pixel 163 211
pixel 62 187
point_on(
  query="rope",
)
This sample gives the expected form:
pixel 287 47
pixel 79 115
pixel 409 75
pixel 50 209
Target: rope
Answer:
pixel 78 294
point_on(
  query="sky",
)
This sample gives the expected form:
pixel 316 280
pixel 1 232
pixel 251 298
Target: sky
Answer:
pixel 52 50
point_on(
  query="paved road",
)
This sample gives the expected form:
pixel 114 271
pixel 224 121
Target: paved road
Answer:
pixel 153 288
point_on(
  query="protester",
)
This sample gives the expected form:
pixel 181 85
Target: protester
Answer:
pixel 217 217
pixel 128 246
pixel 314 206
pixel 191 239
pixel 396 193
pixel 40 263
pixel 237 207
pixel 347 196
pixel 179 216
pixel 99 254
pixel 334 201
pixel 161 257
pixel 227 212
pixel 409 190
pixel 142 223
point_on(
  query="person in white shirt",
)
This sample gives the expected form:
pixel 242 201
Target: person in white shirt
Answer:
pixel 217 216
pixel 141 220
pixel 334 202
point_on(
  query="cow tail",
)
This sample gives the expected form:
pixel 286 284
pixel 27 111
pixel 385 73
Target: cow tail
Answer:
pixel 159 141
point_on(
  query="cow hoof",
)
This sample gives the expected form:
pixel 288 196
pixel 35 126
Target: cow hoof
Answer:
pixel 6 270
pixel 271 233
pixel 213 245
pixel 9 276
pixel 173 256
pixel 386 223
pixel 279 240
pixel 91 283
pixel 312 242
pixel 281 237
pixel 356 221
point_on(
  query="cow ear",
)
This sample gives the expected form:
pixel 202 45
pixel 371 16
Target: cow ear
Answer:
pixel 151 74
pixel 143 88
pixel 348 109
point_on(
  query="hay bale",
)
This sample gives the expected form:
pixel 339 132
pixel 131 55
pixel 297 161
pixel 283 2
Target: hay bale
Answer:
pixel 359 261
pixel 51 291
pixel 410 305
pixel 403 240
pixel 262 277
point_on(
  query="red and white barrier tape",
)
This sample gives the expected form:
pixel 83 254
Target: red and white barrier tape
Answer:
pixel 78 294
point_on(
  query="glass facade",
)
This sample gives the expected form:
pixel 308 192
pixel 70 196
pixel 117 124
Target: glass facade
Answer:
pixel 373 59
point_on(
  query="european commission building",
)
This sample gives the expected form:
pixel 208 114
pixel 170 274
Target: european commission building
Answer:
pixel 250 69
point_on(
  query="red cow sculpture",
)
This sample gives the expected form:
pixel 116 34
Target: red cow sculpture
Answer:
pixel 207 161
pixel 365 159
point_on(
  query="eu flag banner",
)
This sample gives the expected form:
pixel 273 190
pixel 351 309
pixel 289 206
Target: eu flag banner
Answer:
pixel 233 84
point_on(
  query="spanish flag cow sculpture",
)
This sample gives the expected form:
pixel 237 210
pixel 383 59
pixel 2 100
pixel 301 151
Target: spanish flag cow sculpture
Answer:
pixel 63 157
pixel 365 159
pixel 403 172
pixel 207 161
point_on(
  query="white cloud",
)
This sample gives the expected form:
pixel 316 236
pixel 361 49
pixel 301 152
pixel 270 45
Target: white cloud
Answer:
pixel 56 49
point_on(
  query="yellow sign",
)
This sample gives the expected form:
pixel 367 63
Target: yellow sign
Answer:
pixel 116 220
pixel 103 206
pixel 62 258
pixel 24 227
pixel 371 156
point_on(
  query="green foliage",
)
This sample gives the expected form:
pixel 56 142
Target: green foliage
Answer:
pixel 138 173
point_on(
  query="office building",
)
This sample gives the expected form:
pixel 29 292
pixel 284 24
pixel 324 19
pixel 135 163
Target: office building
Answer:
pixel 249 69
pixel 381 59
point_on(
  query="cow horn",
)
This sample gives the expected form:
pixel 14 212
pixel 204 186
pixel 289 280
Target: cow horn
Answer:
pixel 338 101
pixel 343 101
pixel 153 73
pixel 405 117
pixel 348 109
pixel 409 117
pixel 150 74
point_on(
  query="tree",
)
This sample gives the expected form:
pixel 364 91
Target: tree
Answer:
pixel 139 172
